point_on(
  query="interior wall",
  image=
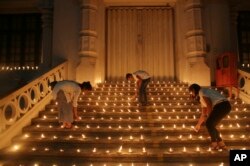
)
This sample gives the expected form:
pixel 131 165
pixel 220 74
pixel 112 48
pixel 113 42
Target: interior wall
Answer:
pixel 100 61
pixel 66 38
pixel 217 30
pixel 66 28
pixel 182 66
pixel 216 23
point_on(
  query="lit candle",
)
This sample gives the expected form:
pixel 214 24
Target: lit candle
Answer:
pixel 120 149
pixel 42 136
pixel 144 150
pixel 26 136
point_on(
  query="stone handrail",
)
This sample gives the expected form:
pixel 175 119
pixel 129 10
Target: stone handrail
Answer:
pixel 18 108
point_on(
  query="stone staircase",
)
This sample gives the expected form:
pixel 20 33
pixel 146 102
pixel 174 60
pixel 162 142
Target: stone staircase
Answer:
pixel 114 131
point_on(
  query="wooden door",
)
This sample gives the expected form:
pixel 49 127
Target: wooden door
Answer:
pixel 140 38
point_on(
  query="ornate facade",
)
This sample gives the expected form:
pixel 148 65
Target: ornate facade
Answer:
pixel 80 31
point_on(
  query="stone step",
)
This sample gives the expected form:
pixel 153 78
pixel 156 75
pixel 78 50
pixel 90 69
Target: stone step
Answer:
pixel 151 97
pixel 152 83
pixel 137 118
pixel 167 130
pixel 75 162
pixel 161 106
pixel 76 158
pixel 236 109
pixel 129 147
pixel 148 140
pixel 132 92
pixel 113 130
pixel 152 122
pixel 150 88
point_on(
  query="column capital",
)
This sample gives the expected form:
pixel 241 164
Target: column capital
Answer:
pixel 195 35
pixel 191 4
pixel 88 41
pixel 88 4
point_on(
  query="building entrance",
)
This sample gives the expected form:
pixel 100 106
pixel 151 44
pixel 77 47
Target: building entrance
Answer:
pixel 140 38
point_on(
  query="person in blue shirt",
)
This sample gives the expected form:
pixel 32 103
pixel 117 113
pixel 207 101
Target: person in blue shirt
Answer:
pixel 215 107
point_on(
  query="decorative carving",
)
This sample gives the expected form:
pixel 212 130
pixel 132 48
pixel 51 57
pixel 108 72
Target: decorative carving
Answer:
pixel 88 39
pixel 195 34
pixel 88 34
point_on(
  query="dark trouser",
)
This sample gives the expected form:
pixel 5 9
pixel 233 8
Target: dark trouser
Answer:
pixel 143 91
pixel 218 113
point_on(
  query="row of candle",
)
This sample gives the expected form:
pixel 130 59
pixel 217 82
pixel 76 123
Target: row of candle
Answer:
pixel 8 68
pixel 123 151
pixel 83 137
pixel 139 118
pixel 167 89
pixel 245 65
pixel 152 81
pixel 156 110
pixel 174 126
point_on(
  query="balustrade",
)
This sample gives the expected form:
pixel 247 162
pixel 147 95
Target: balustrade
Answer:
pixel 18 108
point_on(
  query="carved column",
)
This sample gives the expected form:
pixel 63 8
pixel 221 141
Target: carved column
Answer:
pixel 46 7
pixel 88 42
pixel 196 44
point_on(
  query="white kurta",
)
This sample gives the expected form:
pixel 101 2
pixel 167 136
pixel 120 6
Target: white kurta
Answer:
pixel 71 91
pixel 65 113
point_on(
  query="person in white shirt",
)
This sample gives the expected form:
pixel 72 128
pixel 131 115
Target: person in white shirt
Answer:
pixel 142 79
pixel 214 108
pixel 66 93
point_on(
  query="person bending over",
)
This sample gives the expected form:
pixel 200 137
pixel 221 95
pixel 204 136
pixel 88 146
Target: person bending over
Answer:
pixel 142 79
pixel 214 108
pixel 66 93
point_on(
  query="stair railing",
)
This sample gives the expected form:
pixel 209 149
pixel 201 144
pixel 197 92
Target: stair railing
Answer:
pixel 18 108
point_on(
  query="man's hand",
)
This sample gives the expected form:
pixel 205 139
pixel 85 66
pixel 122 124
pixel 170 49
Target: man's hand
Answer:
pixel 197 128
pixel 133 97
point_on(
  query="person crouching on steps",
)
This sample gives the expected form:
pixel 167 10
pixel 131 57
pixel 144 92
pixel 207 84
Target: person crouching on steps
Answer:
pixel 66 93
pixel 142 79
pixel 214 108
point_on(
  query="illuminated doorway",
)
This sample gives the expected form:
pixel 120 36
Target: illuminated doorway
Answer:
pixel 140 38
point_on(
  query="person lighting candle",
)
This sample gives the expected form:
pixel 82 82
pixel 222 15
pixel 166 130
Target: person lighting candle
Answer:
pixel 214 108
pixel 66 93
pixel 142 79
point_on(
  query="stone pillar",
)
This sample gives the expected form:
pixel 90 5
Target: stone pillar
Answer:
pixel 88 42
pixel 196 44
pixel 46 7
